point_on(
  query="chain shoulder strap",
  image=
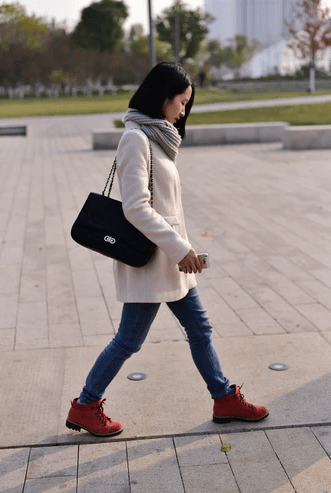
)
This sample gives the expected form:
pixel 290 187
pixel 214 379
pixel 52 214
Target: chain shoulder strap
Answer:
pixel 112 172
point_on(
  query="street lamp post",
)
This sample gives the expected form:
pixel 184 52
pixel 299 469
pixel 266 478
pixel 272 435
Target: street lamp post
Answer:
pixel 177 35
pixel 152 54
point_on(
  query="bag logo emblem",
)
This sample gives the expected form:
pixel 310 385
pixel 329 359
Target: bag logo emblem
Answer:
pixel 109 239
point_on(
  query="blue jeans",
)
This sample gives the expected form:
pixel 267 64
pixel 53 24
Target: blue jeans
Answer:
pixel 134 326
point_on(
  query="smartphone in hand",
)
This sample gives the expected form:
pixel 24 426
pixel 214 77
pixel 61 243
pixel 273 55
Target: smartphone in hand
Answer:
pixel 205 259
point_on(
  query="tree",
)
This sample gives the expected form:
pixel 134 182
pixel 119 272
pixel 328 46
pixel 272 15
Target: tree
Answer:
pixel 239 52
pixel 137 41
pixel 310 30
pixel 192 28
pixel 21 36
pixel 17 27
pixel 216 54
pixel 137 51
pixel 101 25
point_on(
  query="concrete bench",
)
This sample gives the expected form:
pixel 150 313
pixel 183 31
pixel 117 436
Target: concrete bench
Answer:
pixel 307 137
pixel 234 133
pixel 200 135
pixel 106 139
pixel 15 130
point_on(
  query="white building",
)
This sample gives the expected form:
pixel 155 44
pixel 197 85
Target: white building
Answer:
pixel 225 25
pixel 262 20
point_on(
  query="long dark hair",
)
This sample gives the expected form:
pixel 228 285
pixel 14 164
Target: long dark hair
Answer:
pixel 165 80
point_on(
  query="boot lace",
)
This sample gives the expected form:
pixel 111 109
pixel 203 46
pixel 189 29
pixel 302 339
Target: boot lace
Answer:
pixel 242 399
pixel 101 415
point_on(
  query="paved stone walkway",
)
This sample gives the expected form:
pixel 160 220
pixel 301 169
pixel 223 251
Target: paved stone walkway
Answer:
pixel 276 461
pixel 263 215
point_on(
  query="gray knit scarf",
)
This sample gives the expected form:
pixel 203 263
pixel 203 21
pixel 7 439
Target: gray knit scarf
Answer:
pixel 163 132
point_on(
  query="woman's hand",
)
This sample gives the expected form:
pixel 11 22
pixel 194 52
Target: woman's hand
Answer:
pixel 191 263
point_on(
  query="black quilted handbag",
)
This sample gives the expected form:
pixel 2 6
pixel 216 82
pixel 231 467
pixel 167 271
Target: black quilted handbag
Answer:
pixel 101 226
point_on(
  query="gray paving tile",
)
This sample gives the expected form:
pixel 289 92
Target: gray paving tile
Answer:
pixel 233 294
pixel 303 458
pixel 103 468
pixel 11 254
pixel 255 464
pixel 199 450
pixel 317 314
pixel 7 339
pixel 8 310
pixel 165 319
pixel 32 313
pixel 13 466
pixel 60 293
pixel 289 318
pixel 54 234
pixel 287 267
pixel 47 462
pixel 86 283
pixel 211 478
pixel 244 275
pixel 10 279
pixel 33 286
pixel 33 381
pixel 98 339
pixel 93 315
pixel 318 292
pixel 218 310
pixel 32 329
pixel 54 485
pixel 322 274
pixel 286 288
pixel 327 336
pixel 232 329
pixel 65 335
pixel 260 322
pixel 170 334
pixel 153 467
pixel 80 258
pixel 323 435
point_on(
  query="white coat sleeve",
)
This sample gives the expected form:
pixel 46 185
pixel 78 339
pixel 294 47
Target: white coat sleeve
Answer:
pixel 133 157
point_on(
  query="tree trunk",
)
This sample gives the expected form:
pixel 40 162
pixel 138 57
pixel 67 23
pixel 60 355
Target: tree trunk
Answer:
pixel 312 78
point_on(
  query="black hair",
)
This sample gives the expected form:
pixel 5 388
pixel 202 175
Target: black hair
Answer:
pixel 165 80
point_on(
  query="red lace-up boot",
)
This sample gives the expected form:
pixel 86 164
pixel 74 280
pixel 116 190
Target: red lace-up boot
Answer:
pixel 91 418
pixel 234 407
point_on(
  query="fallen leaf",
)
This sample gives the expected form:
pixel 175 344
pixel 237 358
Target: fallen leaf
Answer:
pixel 226 447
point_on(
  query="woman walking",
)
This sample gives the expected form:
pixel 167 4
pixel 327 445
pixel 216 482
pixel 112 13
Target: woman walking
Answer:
pixel 157 116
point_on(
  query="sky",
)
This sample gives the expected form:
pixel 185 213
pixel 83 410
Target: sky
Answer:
pixel 69 10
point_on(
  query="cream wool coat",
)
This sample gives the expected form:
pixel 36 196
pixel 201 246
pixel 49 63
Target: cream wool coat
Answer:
pixel 160 280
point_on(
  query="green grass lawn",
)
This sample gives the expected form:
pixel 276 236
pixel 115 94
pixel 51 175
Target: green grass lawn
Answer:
pixel 304 114
pixel 309 114
pixel 205 96
pixel 119 102
pixel 82 105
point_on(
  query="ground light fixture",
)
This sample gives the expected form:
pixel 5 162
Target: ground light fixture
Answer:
pixel 137 375
pixel 278 366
